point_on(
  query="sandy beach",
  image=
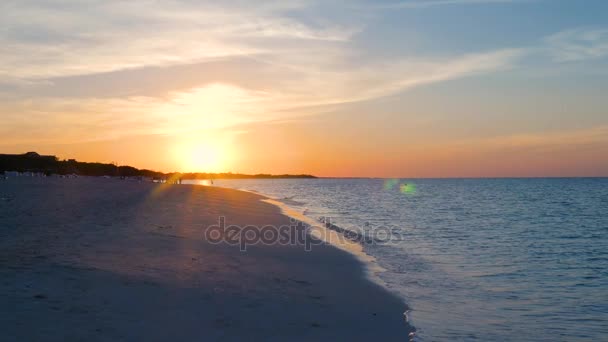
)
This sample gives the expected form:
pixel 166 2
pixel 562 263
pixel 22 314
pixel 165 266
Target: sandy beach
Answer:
pixel 93 259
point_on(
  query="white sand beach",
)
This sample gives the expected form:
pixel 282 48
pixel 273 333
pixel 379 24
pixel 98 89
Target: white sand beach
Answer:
pixel 92 259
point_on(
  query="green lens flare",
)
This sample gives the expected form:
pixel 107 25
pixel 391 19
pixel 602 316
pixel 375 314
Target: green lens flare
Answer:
pixel 404 188
pixel 389 184
pixel 407 188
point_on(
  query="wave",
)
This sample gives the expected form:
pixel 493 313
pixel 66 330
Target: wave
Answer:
pixel 347 233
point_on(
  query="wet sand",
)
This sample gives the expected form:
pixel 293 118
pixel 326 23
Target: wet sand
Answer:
pixel 92 259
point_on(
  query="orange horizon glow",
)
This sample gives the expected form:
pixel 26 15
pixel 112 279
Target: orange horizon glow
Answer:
pixel 522 157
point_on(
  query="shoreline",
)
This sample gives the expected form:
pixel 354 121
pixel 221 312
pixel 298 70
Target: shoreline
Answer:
pixel 336 240
pixel 102 259
pixel 327 235
pixel 372 269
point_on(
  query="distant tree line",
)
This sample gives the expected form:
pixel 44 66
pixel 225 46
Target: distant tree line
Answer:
pixel 34 162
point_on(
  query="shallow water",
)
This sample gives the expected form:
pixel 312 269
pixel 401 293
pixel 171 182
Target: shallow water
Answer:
pixel 485 259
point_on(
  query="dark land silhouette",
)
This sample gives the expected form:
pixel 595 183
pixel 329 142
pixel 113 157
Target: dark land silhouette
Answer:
pixel 49 165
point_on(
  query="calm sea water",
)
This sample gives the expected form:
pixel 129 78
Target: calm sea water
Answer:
pixel 477 259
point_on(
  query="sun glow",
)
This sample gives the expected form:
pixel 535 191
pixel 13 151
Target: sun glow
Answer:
pixel 202 156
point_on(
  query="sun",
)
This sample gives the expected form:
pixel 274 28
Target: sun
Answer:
pixel 204 157
pixel 201 156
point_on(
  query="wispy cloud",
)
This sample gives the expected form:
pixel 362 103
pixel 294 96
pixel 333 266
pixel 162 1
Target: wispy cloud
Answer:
pixel 578 44
pixel 301 90
pixel 435 3
pixel 49 38
pixel 571 140
pixel 306 65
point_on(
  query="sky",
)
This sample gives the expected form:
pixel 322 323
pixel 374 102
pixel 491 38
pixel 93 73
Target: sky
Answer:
pixel 399 88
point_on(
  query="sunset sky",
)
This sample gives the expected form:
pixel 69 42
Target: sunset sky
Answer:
pixel 436 88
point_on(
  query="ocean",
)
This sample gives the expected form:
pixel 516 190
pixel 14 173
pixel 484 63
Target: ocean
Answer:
pixel 475 259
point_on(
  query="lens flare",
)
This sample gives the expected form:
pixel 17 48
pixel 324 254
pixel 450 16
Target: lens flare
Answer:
pixel 407 188
pixel 389 184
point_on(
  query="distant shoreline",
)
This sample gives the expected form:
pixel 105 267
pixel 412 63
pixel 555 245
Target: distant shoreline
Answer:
pixel 49 165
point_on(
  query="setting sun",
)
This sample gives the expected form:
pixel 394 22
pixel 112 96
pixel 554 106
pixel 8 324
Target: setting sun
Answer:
pixel 201 156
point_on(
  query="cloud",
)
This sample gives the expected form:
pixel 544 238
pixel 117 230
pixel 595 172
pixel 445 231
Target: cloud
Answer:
pixel 403 75
pixel 435 3
pixel 50 38
pixel 578 44
pixel 288 66
pixel 293 91
pixel 571 140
